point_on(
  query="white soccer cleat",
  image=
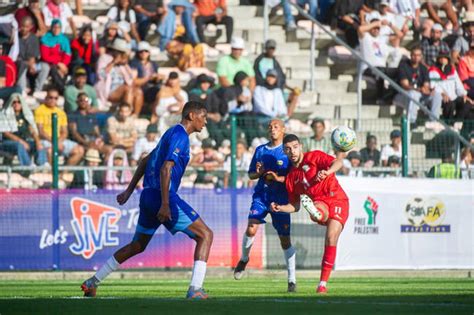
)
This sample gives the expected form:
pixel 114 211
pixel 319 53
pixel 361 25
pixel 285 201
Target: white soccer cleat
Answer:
pixel 308 204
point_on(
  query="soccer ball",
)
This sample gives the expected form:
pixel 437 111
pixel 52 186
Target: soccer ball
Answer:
pixel 343 138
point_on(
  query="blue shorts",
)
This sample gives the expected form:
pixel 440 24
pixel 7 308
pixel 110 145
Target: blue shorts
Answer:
pixel 182 214
pixel 280 221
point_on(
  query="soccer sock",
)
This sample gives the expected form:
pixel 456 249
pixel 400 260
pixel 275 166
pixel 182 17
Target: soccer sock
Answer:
pixel 110 265
pixel 247 242
pixel 328 262
pixel 199 272
pixel 290 257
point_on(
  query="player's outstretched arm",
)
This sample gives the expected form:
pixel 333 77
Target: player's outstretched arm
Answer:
pixel 123 197
pixel 288 208
pixel 335 166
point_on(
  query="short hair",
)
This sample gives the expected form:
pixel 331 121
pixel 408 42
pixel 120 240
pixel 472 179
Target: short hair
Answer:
pixel 417 47
pixel 290 138
pixel 52 88
pixel 27 19
pixel 370 137
pixel 124 104
pixel 173 75
pixel 192 107
pixel 82 94
pixel 318 121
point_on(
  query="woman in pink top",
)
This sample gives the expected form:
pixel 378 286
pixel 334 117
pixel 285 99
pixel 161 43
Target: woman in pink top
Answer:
pixel 466 71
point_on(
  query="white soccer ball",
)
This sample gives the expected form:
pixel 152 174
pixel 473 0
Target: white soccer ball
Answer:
pixel 343 138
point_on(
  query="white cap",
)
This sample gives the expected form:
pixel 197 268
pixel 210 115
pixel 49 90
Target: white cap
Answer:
pixel 237 43
pixel 385 2
pixel 437 27
pixel 375 15
pixel 144 46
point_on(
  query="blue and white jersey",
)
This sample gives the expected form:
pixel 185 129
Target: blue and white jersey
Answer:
pixel 273 159
pixel 173 146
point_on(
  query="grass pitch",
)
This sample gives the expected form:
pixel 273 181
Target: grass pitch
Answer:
pixel 245 297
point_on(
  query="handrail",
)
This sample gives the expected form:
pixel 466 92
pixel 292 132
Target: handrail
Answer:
pixel 379 73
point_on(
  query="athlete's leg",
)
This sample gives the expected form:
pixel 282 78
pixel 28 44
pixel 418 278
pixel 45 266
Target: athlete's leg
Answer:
pixel 203 236
pixel 247 242
pixel 282 224
pixel 334 229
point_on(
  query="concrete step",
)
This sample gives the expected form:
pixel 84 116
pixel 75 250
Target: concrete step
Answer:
pixel 320 73
pixel 331 97
pixel 379 124
pixel 383 138
pixel 241 12
pixel 333 111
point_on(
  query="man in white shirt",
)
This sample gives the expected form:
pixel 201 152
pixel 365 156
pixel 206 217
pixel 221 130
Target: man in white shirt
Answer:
pixel 58 9
pixel 145 144
pixel 393 149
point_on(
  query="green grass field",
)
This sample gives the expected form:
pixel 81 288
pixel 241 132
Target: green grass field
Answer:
pixel 248 296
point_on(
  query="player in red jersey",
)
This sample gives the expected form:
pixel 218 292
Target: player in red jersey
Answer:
pixel 311 183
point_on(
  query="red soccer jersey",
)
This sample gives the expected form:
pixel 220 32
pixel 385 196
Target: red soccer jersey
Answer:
pixel 302 179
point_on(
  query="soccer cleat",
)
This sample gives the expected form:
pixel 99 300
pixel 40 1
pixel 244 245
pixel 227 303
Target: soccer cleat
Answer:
pixel 321 289
pixel 308 204
pixel 90 287
pixel 239 270
pixel 196 294
pixel 291 287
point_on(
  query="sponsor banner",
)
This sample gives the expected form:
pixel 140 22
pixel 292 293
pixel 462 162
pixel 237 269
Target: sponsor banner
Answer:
pixel 407 224
pixel 77 230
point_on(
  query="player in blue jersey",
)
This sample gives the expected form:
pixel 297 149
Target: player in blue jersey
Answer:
pixel 160 204
pixel 269 165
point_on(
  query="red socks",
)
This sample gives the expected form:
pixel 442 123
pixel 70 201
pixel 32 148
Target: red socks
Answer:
pixel 329 258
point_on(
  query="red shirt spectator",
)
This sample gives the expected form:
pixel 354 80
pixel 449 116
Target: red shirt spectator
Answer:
pixel 8 71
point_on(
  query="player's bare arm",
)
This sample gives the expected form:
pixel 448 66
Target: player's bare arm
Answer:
pixel 123 196
pixel 164 214
pixel 259 171
pixel 288 208
pixel 335 166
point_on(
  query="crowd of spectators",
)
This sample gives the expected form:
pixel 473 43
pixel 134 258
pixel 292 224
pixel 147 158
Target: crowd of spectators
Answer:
pixel 110 84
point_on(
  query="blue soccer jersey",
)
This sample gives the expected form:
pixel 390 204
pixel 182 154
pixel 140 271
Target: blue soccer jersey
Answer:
pixel 173 146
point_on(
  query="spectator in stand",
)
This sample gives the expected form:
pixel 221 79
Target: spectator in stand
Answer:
pixel 121 128
pixel 433 45
pixel 466 71
pixel 111 32
pixel 445 80
pixel 370 155
pixel 213 12
pixel 203 89
pixel 269 101
pixel 461 45
pixel 348 19
pixel 179 37
pixel 242 160
pixel 290 19
pixel 386 31
pixel 377 52
pixel 414 78
pixel 9 39
pixel 29 56
pixel 169 102
pixel 353 161
pixel 33 10
pixel 318 141
pixel 148 12
pixel 81 178
pixel 148 78
pixel 79 86
pixel 409 9
pixel 267 61
pixel 228 66
pixel 124 15
pixel 394 161
pixel 55 56
pixel 84 126
pixel 117 179
pixel 238 96
pixel 452 21
pixel 145 144
pixel 20 133
pixel 85 52
pixel 117 80
pixel 395 148
pixel 8 75
pixel 70 149
pixel 59 10
pixel 207 161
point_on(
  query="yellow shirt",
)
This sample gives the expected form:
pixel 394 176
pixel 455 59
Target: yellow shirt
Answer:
pixel 43 116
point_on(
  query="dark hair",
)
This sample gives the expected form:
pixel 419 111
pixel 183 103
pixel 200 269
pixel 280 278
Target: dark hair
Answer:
pixel 370 137
pixel 192 107
pixel 173 75
pixel 124 104
pixel 52 88
pixel 239 77
pixel 291 138
pixel 82 94
pixel 417 47
pixel 318 121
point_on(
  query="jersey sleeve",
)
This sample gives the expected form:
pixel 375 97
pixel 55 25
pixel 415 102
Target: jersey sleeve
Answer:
pixel 176 143
pixel 322 160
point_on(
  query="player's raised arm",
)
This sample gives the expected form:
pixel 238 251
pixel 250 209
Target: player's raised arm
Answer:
pixel 336 165
pixel 123 197
pixel 165 178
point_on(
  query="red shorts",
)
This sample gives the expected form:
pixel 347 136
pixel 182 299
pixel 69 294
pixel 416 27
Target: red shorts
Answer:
pixel 338 209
